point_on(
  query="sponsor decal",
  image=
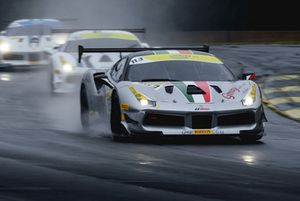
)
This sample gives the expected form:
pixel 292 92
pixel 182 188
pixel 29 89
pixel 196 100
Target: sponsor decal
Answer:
pixel 124 106
pixel 219 132
pixel 231 93
pixel 112 35
pixel 185 132
pixel 122 117
pixel 136 60
pixel 154 85
pixel 202 132
pixel 201 108
pixel 197 132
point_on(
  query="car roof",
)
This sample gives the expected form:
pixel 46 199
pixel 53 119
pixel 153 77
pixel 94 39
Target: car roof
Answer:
pixel 102 34
pixel 53 23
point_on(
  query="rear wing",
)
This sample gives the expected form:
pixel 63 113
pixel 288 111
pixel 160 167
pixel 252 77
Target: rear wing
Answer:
pixel 81 50
pixel 66 30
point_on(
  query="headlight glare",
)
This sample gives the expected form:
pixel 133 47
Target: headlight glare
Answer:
pixel 4 47
pixel 250 97
pixel 144 101
pixel 67 68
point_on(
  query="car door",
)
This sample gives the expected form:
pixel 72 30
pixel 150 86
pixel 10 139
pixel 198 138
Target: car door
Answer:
pixel 114 77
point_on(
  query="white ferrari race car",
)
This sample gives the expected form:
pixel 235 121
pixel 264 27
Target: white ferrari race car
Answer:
pixel 65 71
pixel 172 91
pixel 27 42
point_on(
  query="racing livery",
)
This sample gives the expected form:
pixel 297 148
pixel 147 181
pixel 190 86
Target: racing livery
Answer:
pixel 66 72
pixel 27 42
pixel 173 92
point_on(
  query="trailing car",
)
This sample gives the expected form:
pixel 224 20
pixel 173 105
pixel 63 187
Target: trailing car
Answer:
pixel 172 91
pixel 66 72
pixel 27 42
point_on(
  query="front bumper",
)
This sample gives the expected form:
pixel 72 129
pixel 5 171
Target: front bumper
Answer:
pixel 231 122
pixel 67 82
pixel 25 58
pixel 4 65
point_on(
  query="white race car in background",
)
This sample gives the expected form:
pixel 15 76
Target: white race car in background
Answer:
pixel 65 71
pixel 27 42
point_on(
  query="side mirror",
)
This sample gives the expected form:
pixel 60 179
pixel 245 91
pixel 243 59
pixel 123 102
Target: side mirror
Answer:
pixel 100 79
pixel 145 45
pixel 56 47
pixel 248 76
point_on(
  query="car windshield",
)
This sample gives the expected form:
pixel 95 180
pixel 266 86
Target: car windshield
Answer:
pixel 72 46
pixel 29 30
pixel 179 71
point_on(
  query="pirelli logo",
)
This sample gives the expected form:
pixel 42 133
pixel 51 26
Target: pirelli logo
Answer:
pixel 202 132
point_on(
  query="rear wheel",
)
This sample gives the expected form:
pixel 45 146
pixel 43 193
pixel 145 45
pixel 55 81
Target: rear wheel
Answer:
pixel 84 109
pixel 51 78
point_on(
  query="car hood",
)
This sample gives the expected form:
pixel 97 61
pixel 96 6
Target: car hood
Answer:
pixel 186 91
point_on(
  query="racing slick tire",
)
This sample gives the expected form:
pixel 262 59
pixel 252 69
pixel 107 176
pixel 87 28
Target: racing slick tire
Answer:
pixel 51 78
pixel 84 109
pixel 117 129
pixel 52 83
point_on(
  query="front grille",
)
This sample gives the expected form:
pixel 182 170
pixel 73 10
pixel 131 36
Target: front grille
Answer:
pixel 237 119
pixel 34 56
pixel 163 120
pixel 13 57
pixel 201 121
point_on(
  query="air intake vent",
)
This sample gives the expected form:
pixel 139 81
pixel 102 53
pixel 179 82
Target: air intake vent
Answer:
pixel 201 121
pixel 237 119
pixel 163 120
pixel 169 89
pixel 192 89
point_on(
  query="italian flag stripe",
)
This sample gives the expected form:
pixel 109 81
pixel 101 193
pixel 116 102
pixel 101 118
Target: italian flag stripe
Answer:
pixel 205 87
pixel 183 88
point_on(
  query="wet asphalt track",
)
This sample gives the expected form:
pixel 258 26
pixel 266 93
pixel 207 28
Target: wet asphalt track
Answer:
pixel 44 155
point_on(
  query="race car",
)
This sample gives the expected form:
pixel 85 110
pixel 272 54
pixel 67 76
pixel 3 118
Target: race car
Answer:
pixel 66 73
pixel 172 91
pixel 27 42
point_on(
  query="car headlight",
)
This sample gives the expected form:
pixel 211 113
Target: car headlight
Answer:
pixel 145 101
pixel 60 39
pixel 4 47
pixel 67 68
pixel 250 97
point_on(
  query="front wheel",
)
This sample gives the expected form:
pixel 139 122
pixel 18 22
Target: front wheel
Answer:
pixel 117 129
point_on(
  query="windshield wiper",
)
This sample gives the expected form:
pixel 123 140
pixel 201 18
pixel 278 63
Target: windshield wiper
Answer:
pixel 160 80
